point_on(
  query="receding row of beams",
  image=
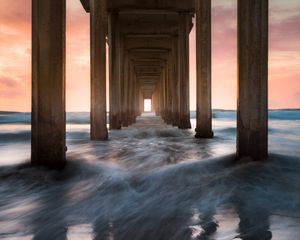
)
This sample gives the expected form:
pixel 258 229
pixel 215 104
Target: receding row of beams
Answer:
pixel 138 71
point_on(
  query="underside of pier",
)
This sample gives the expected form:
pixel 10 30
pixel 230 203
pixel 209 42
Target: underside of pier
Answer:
pixel 148 59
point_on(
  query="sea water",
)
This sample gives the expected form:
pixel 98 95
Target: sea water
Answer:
pixel 152 181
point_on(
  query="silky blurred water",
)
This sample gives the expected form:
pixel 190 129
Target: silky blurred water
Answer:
pixel 151 181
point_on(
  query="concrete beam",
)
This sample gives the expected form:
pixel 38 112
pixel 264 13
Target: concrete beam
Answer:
pixel 149 35
pixel 48 142
pixel 148 56
pixel 252 133
pixel 86 5
pixel 169 5
pixel 141 11
pixel 151 5
pixel 153 26
pixel 147 74
pixel 148 42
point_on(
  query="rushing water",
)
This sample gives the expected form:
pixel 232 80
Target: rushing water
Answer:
pixel 151 181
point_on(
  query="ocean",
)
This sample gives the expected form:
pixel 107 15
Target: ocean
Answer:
pixel 152 181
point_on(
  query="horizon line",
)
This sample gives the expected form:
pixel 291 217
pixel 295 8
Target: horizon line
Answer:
pixel 214 109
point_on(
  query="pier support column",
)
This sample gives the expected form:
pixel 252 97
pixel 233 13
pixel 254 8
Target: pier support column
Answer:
pixel 136 100
pixel 126 91
pixel 157 100
pixel 203 68
pixel 252 133
pixel 169 91
pixel 98 15
pixel 175 79
pixel 165 87
pixel 158 113
pixel 141 103
pixel 161 96
pixel 131 93
pixel 48 142
pixel 183 66
pixel 114 77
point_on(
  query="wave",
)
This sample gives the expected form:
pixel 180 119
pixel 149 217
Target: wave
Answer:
pixel 21 136
pixel 151 182
pixel 284 115
pixel 84 117
pixel 217 197
pixel 15 117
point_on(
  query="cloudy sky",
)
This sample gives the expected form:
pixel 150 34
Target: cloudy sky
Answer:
pixel 284 55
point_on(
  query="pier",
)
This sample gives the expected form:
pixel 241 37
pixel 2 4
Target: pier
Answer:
pixel 148 45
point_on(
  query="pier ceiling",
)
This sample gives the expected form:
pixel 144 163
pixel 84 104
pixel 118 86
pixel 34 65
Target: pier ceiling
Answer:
pixel 166 5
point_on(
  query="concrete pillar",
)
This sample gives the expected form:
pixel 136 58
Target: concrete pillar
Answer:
pixel 203 68
pixel 114 77
pixel 175 104
pixel 183 67
pixel 126 92
pixel 164 94
pixel 136 100
pixel 156 101
pixel 48 143
pixel 141 103
pixel 131 96
pixel 171 86
pixel 252 133
pixel 98 15
pixel 161 96
pixel 153 100
pixel 169 91
pixel 152 103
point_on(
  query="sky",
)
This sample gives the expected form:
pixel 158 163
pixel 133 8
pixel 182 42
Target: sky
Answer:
pixel 284 56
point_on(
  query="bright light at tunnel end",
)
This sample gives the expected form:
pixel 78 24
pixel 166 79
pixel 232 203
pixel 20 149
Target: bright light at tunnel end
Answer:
pixel 147 105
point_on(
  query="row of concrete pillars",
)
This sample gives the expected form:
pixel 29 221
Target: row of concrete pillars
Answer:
pixel 144 65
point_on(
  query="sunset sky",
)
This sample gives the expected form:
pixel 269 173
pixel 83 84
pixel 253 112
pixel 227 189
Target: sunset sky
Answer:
pixel 284 55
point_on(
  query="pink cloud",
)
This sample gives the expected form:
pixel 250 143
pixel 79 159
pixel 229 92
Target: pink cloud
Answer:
pixel 15 57
pixel 7 82
pixel 297 98
pixel 285 35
